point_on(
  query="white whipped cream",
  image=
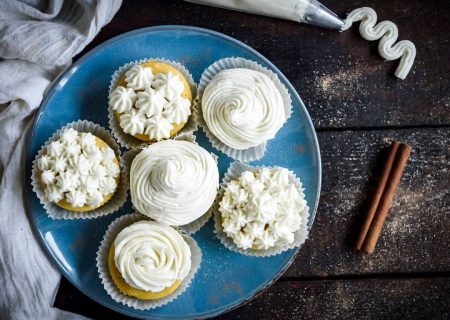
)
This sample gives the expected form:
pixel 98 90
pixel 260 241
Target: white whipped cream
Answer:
pixel 169 84
pixel 139 77
pixel 242 108
pixel 76 169
pixel 151 256
pixel 151 103
pixel 133 122
pixel 387 31
pixel 122 99
pixel 261 209
pixel 158 127
pixel 173 182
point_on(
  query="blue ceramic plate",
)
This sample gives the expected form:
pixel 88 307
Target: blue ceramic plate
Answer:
pixel 225 279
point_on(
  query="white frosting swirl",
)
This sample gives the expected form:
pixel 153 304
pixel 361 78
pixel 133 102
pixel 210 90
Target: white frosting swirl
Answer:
pixel 151 256
pixel 89 184
pixel 139 77
pixel 67 181
pixel 60 164
pixel 69 137
pixel 263 217
pixel 107 185
pixel 158 127
pixel 94 199
pixel 170 84
pixel 44 163
pixel 173 182
pixel 150 104
pixel 55 149
pixel 53 193
pixel 76 169
pixel 122 99
pixel 242 108
pixel 48 176
pixel 76 198
pixel 133 123
pixel 388 32
pixel 177 111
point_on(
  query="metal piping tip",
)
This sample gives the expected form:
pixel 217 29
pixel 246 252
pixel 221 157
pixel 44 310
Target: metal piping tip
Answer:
pixel 319 15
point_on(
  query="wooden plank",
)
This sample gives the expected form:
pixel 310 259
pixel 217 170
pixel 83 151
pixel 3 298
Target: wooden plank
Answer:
pixel 416 235
pixel 321 299
pixel 355 299
pixel 341 78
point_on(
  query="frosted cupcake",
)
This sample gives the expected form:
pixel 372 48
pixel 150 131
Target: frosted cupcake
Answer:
pixel 148 260
pixel 174 182
pixel 78 171
pixel 261 211
pixel 151 101
pixel 145 264
pixel 243 105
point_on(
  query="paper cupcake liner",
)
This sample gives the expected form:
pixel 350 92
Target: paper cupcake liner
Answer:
pixel 234 171
pixel 103 269
pixel 127 140
pixel 117 200
pixel 191 227
pixel 197 224
pixel 253 153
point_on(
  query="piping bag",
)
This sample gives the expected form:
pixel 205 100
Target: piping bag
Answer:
pixel 306 11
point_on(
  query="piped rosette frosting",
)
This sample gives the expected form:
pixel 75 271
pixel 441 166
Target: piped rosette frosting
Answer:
pixel 151 256
pixel 262 209
pixel 174 182
pixel 78 171
pixel 152 101
pixel 242 108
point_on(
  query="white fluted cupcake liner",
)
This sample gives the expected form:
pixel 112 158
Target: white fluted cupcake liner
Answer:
pixel 103 269
pixel 195 225
pixel 128 141
pixel 300 236
pixel 253 153
pixel 116 201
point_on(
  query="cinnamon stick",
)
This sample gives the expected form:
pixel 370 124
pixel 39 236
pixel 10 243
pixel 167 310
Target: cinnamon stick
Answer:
pixel 377 194
pixel 385 203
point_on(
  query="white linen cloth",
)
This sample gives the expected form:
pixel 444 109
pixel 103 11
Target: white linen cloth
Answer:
pixel 38 39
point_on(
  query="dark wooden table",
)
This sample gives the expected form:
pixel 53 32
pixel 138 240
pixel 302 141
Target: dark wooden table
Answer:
pixel 357 106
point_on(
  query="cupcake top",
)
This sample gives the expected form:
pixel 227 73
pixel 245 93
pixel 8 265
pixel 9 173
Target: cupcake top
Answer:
pixel 174 182
pixel 151 256
pixel 242 108
pixel 261 209
pixel 78 170
pixel 151 105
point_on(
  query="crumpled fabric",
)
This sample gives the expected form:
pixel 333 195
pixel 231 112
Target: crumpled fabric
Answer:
pixel 38 39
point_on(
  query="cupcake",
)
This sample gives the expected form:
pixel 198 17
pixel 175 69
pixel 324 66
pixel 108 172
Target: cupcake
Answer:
pixel 145 264
pixel 78 171
pixel 148 260
pixel 151 101
pixel 243 105
pixel 261 211
pixel 174 182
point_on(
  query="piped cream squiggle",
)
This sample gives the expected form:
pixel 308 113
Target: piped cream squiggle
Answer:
pixel 404 50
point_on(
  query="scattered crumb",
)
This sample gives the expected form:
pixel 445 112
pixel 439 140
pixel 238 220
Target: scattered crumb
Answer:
pixel 345 83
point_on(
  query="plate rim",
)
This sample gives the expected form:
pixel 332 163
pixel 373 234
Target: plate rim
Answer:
pixel 28 158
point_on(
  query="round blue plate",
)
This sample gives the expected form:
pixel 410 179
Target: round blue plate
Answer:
pixel 225 279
